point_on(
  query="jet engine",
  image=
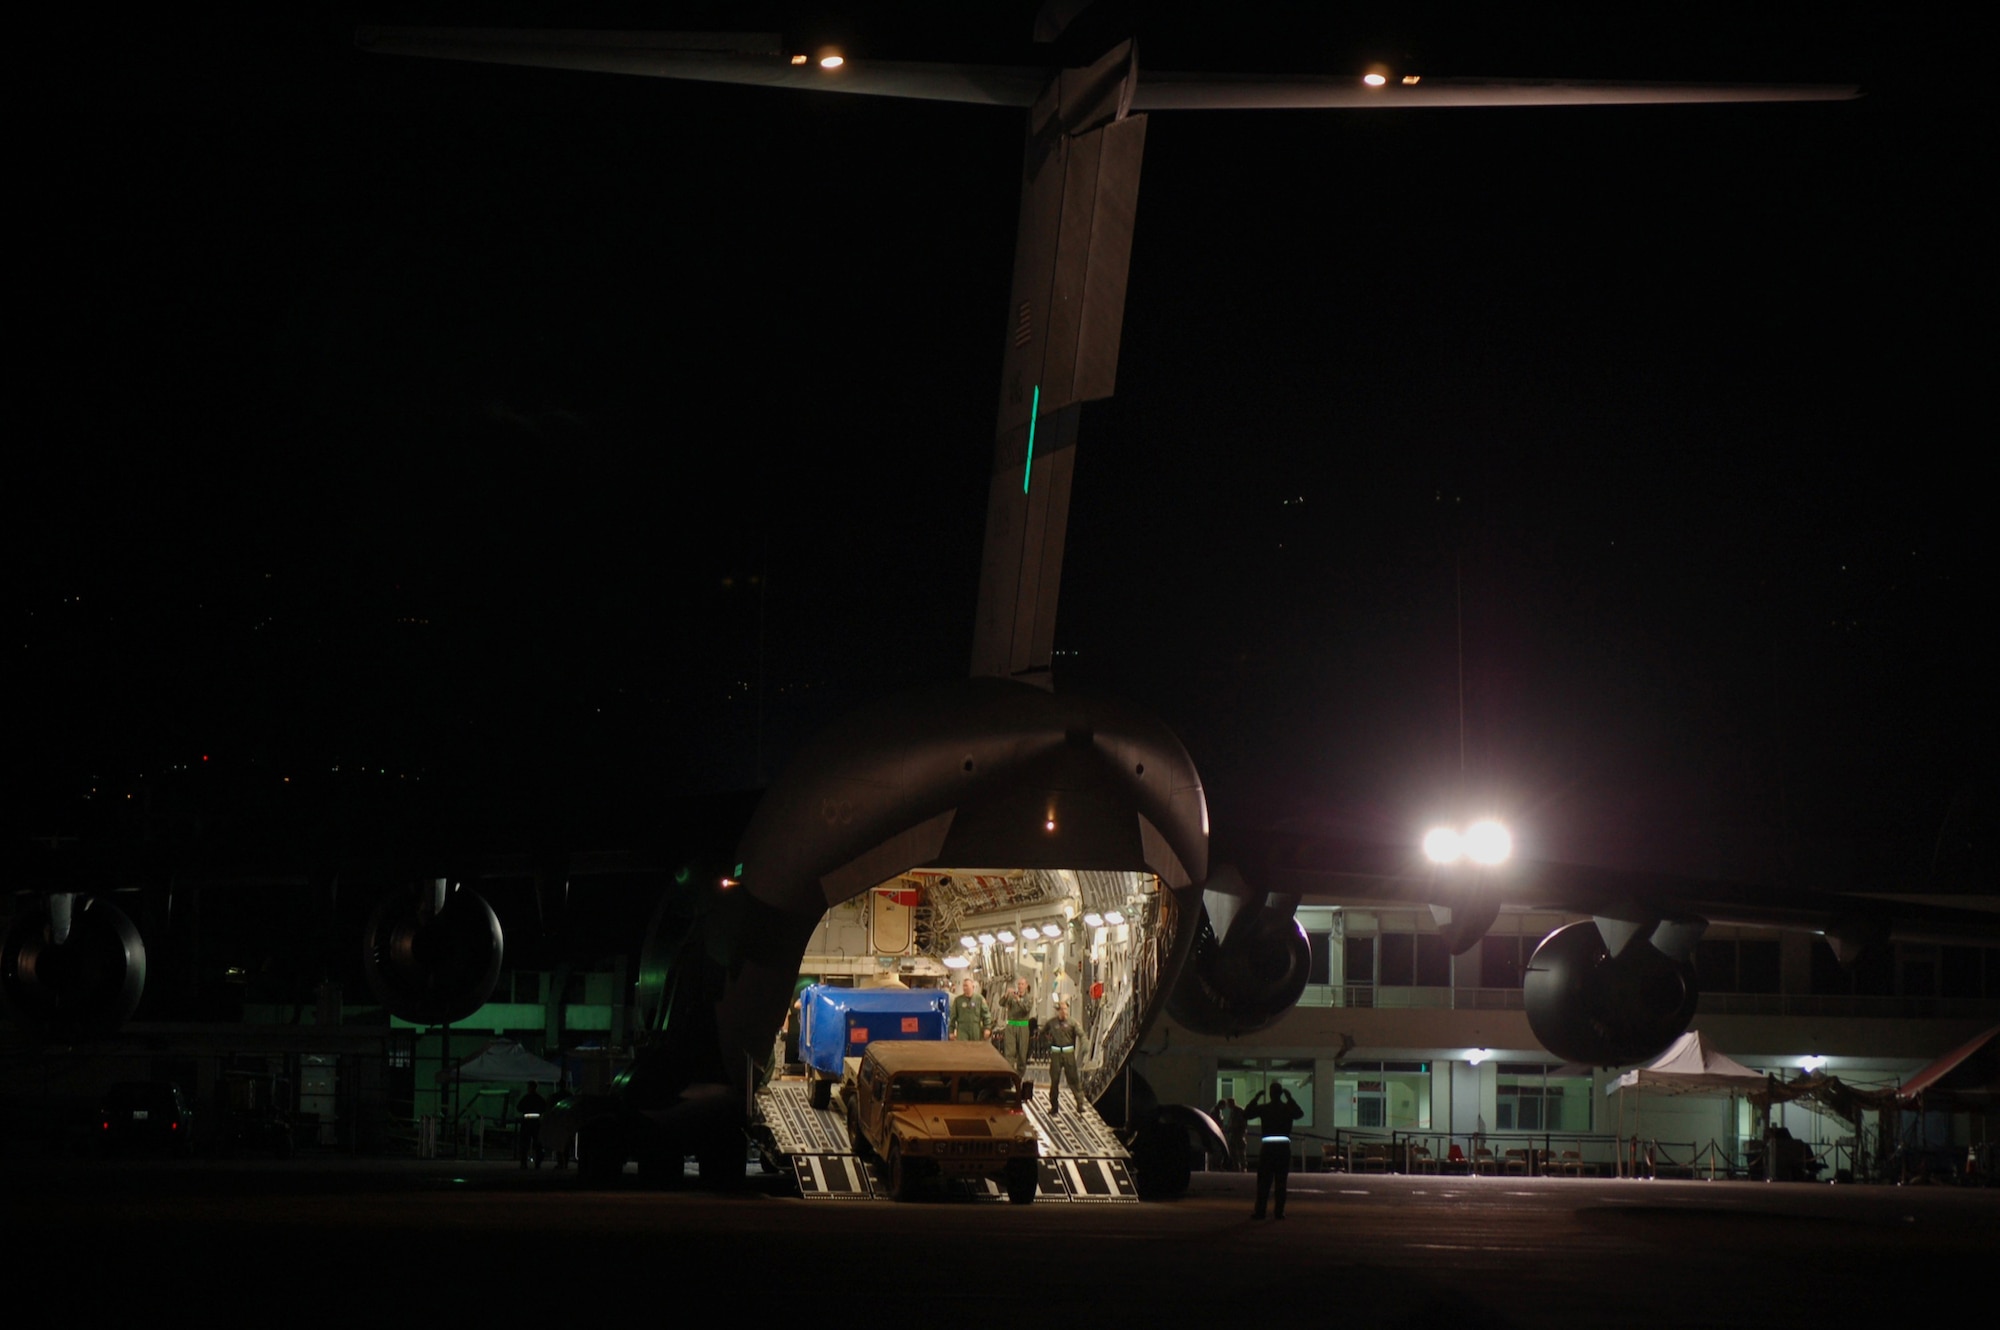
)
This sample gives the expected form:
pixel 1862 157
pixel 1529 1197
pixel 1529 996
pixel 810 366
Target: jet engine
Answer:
pixel 432 954
pixel 74 964
pixel 1249 963
pixel 1588 1005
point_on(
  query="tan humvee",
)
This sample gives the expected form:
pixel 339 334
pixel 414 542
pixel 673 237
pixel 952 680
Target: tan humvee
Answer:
pixel 944 1108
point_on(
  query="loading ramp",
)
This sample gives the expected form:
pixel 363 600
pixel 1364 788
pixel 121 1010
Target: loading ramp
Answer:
pixel 1082 1159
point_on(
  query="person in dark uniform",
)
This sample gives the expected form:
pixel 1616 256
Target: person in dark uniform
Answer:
pixel 1274 1155
pixel 531 1108
pixel 1016 1008
pixel 1062 1058
pixel 1229 1117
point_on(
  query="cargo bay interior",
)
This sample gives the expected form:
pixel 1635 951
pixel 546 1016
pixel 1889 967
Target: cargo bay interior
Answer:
pixel 1095 939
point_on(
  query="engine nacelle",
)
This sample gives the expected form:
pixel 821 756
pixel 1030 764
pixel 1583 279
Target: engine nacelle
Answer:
pixel 75 965
pixel 1587 1005
pixel 1247 985
pixel 433 955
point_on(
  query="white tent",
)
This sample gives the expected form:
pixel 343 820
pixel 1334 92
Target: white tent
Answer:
pixel 503 1060
pixel 1690 1066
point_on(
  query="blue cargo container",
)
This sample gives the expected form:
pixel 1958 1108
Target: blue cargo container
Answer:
pixel 840 1023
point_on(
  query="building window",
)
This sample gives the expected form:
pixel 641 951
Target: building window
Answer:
pixel 1396 960
pixel 1501 961
pixel 1968 972
pixel 1384 1096
pixel 1319 970
pixel 1433 962
pixel 1245 1080
pixel 1360 959
pixel 1532 1097
pixel 1731 965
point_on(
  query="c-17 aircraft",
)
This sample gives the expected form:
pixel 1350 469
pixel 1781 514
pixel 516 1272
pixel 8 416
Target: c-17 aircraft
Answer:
pixel 1001 796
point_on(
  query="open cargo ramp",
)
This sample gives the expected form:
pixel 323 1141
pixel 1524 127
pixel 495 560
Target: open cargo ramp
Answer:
pixel 1081 1159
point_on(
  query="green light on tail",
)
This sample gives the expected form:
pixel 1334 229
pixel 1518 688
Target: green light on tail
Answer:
pixel 1034 410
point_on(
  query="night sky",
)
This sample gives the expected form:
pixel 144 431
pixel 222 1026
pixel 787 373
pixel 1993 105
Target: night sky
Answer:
pixel 556 445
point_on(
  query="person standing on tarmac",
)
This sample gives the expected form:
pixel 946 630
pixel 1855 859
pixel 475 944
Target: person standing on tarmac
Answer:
pixel 1229 1117
pixel 1062 1058
pixel 971 1018
pixel 531 1108
pixel 1016 1008
pixel 1274 1156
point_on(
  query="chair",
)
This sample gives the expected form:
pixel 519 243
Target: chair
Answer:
pixel 1483 1161
pixel 1422 1160
pixel 1517 1162
pixel 1570 1163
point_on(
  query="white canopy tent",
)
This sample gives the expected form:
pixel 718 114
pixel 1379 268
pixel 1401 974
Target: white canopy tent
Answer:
pixel 1688 1067
pixel 503 1060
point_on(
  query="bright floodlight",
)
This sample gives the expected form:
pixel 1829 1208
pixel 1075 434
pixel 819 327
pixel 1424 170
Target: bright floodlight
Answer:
pixel 831 61
pixel 1114 917
pixel 956 962
pixel 1094 920
pixel 1487 842
pixel 1006 935
pixel 1051 930
pixel 1441 845
pixel 969 942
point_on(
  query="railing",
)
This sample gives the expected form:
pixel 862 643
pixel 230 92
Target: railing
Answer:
pixel 1821 1004
pixel 1391 996
pixel 1711 1004
pixel 1137 1014
pixel 1492 1154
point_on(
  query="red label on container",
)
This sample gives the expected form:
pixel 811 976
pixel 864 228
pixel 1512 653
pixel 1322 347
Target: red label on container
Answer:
pixel 909 1025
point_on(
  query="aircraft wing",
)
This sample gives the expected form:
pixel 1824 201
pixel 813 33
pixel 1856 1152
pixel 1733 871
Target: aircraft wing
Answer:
pixel 709 57
pixel 762 59
pixel 1317 867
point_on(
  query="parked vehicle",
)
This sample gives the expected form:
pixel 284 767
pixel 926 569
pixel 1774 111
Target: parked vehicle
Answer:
pixel 146 1117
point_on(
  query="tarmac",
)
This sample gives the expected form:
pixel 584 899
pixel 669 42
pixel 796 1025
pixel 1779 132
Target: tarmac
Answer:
pixel 330 1240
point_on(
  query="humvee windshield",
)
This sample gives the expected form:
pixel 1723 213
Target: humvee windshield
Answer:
pixel 987 1090
pixel 940 1089
pixel 920 1090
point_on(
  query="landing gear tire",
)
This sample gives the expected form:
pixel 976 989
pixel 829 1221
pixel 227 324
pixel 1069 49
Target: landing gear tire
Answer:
pixel 1160 1158
pixel 1021 1181
pixel 720 1163
pixel 819 1093
pixel 600 1156
pixel 662 1169
pixel 902 1180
